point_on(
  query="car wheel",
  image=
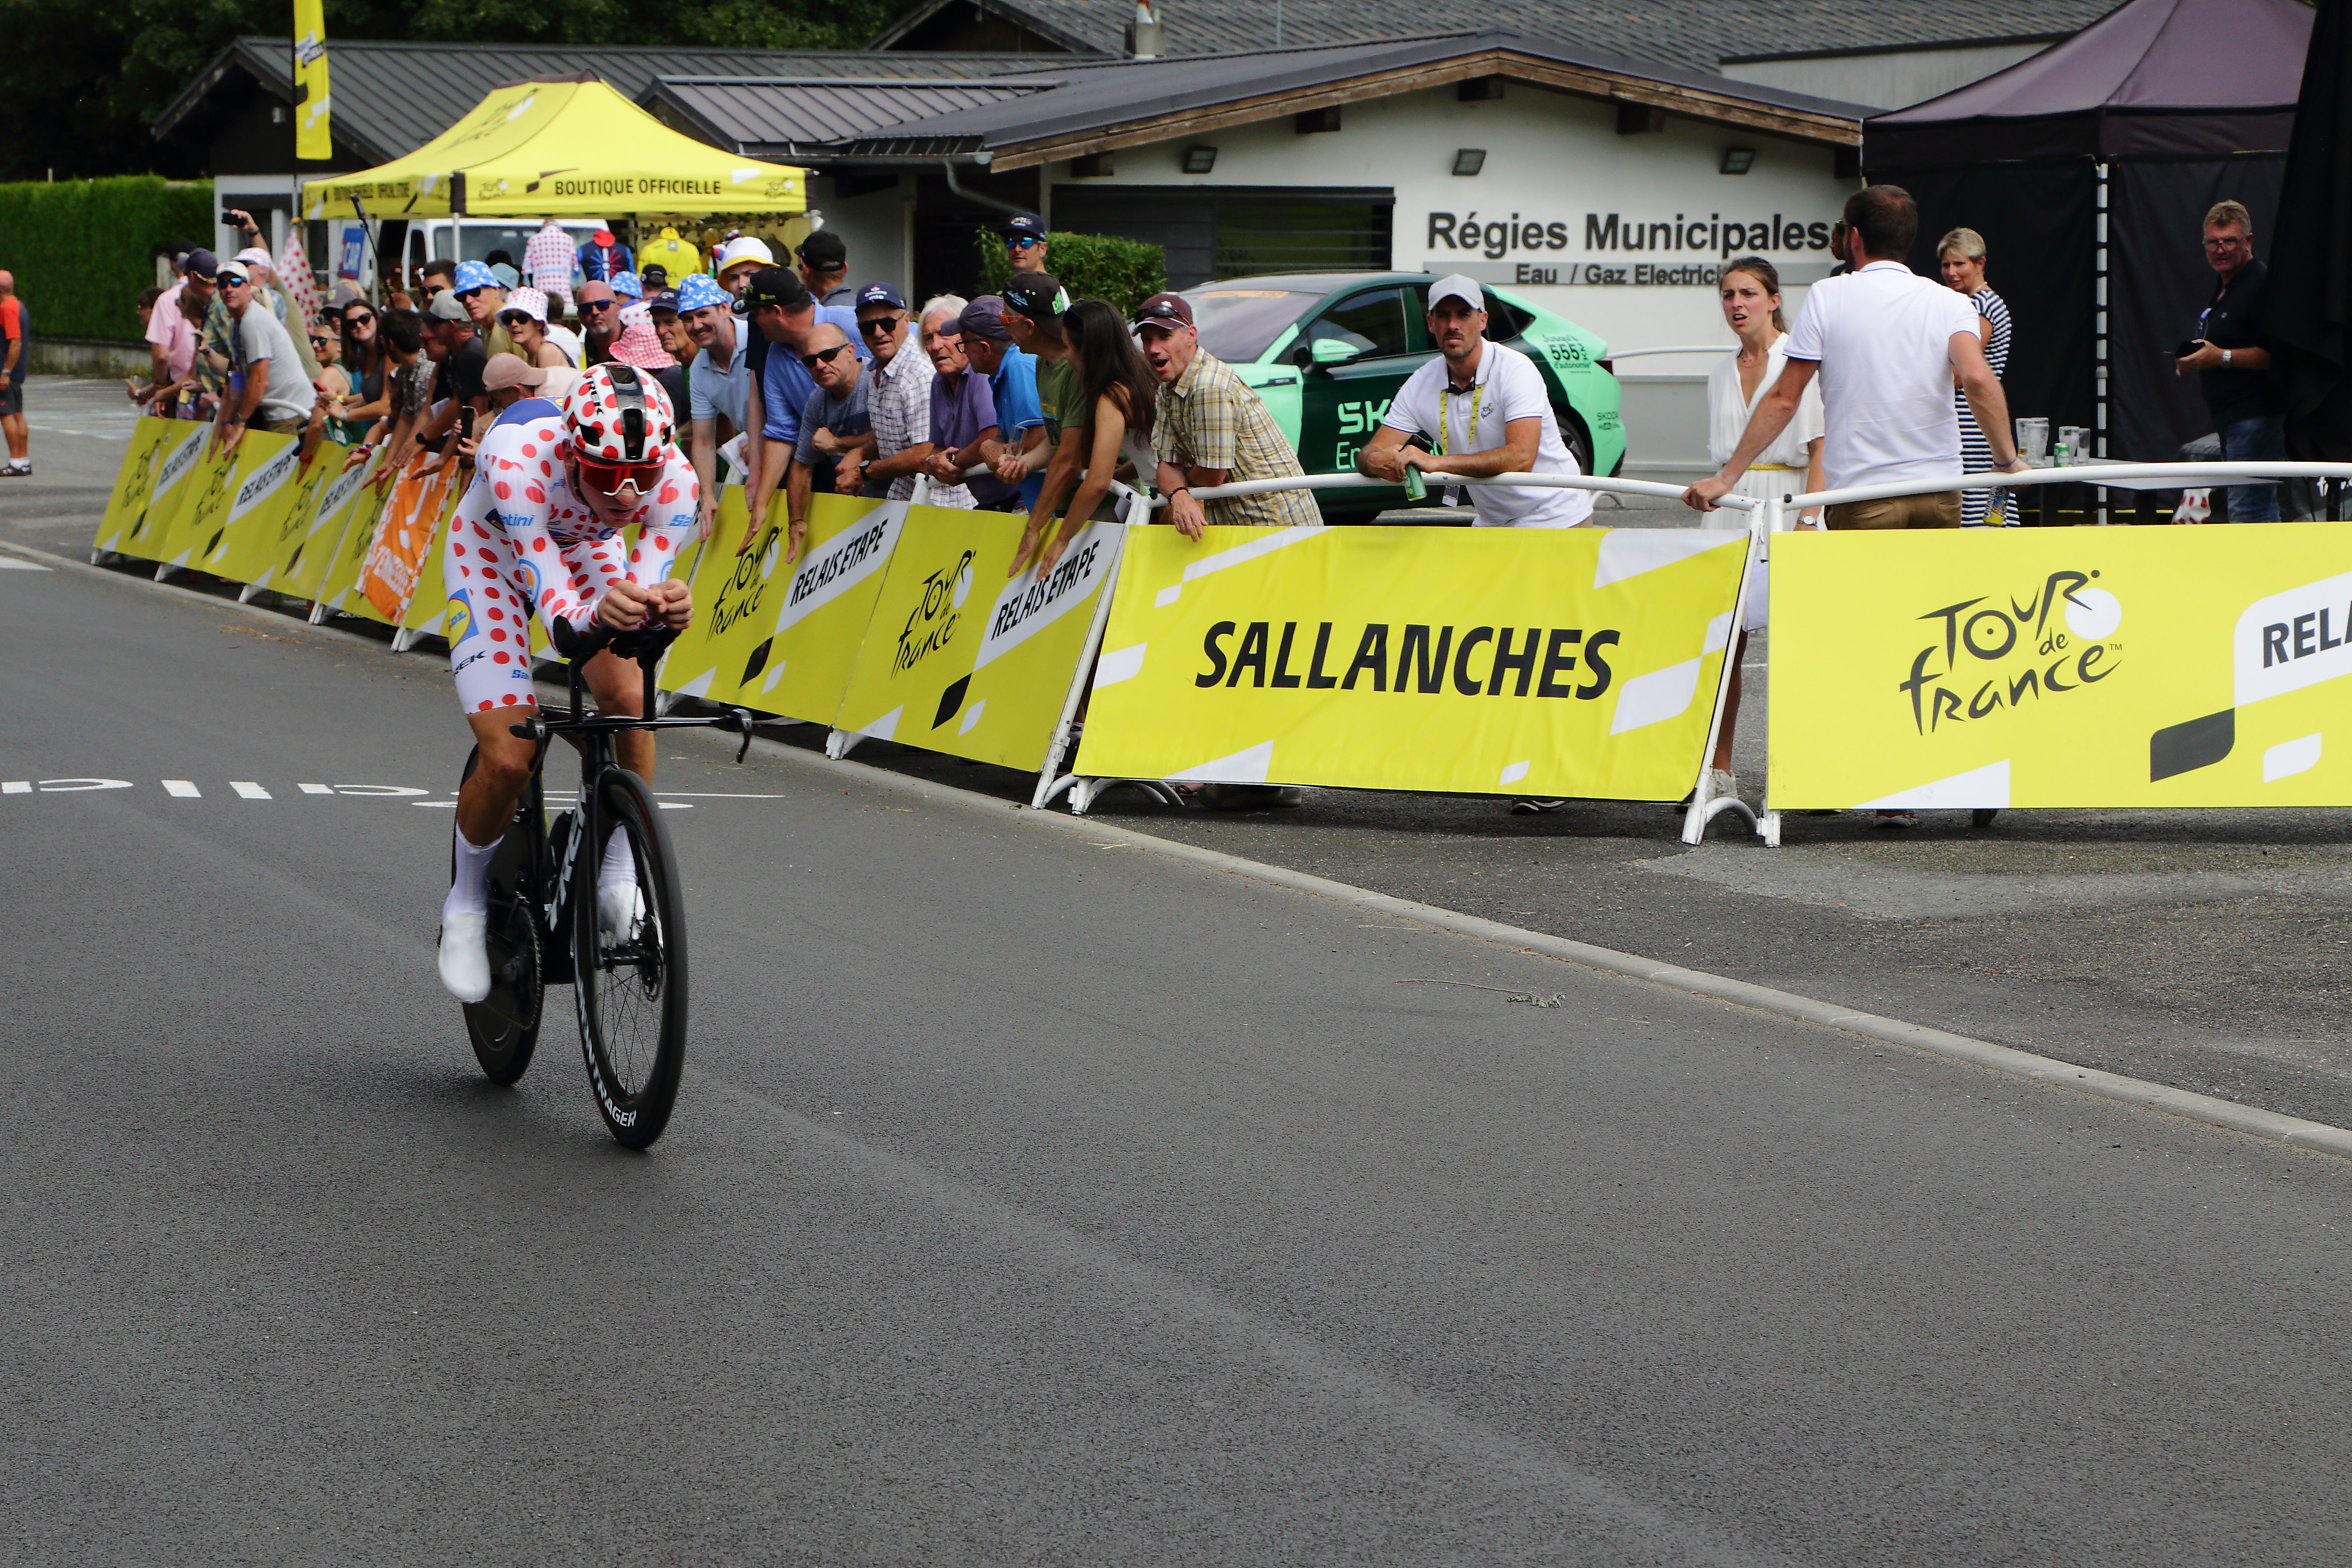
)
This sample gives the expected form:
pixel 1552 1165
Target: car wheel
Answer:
pixel 1578 439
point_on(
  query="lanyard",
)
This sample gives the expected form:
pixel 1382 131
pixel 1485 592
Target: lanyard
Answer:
pixel 1445 392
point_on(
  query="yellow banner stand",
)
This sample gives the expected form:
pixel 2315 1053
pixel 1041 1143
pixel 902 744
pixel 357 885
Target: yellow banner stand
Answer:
pixel 122 529
pixel 2081 666
pixel 961 657
pixel 339 588
pixel 783 638
pixel 190 476
pixel 243 545
pixel 1573 662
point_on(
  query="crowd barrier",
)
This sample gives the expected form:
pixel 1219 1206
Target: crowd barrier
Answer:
pixel 2111 666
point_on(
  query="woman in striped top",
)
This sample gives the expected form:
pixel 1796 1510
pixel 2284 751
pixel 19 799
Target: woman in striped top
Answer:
pixel 1960 257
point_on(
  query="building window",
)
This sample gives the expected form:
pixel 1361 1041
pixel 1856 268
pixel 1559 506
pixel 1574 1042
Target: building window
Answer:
pixel 1281 236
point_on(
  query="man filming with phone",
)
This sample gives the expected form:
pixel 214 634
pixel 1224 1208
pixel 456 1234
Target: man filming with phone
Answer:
pixel 2231 362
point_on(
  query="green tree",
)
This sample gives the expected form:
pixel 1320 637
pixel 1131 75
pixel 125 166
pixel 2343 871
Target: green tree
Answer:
pixel 1122 273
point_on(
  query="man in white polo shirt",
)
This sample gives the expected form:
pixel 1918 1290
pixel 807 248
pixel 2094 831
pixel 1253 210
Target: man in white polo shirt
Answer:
pixel 1484 409
pixel 1887 344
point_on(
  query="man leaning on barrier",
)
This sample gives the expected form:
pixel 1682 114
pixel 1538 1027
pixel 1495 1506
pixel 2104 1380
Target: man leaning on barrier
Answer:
pixel 1484 409
pixel 1887 345
pixel 1209 429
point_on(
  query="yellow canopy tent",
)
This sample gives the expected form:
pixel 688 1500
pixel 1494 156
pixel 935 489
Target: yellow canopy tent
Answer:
pixel 561 145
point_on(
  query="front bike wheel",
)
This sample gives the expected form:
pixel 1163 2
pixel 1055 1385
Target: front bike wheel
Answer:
pixel 504 1025
pixel 632 983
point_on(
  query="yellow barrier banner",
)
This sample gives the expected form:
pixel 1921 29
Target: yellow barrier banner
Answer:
pixel 245 545
pixel 782 636
pixel 152 440
pixel 2077 667
pixel 200 524
pixel 957 656
pixel 1580 662
pixel 338 588
pixel 329 500
pixel 190 477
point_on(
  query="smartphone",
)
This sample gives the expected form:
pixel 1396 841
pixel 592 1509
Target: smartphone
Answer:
pixel 2188 346
pixel 234 220
pixel 466 424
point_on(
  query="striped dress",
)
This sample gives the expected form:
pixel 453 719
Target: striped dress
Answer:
pixel 1976 455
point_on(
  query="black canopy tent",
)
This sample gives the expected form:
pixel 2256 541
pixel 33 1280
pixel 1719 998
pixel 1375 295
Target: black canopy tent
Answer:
pixel 2144 119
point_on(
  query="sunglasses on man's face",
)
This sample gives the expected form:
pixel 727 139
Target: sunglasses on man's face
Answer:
pixel 885 325
pixel 823 356
pixel 1022 243
pixel 469 293
pixel 230 280
pixel 598 304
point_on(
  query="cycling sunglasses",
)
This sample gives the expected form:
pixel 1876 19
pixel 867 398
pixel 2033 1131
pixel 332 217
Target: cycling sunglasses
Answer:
pixel 823 355
pixel 1023 242
pixel 606 479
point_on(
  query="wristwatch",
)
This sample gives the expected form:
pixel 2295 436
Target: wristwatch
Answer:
pixel 2225 359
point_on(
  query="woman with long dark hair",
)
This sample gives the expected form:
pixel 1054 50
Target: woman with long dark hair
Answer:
pixel 362 358
pixel 1117 399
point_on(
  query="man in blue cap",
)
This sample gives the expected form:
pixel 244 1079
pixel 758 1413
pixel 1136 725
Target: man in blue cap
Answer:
pixel 899 402
pixel 476 287
pixel 1025 242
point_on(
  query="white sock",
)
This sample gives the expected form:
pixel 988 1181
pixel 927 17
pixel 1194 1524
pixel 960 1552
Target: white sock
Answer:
pixel 469 893
pixel 619 867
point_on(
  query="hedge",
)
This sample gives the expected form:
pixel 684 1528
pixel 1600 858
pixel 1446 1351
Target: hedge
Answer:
pixel 1122 272
pixel 83 250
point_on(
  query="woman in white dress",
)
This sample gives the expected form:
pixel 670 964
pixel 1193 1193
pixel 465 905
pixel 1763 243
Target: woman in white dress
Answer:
pixel 1792 463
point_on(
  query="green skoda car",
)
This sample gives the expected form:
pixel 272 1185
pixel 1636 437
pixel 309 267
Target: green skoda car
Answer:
pixel 1327 350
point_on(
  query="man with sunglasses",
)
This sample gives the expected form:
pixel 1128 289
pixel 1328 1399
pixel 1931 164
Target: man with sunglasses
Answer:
pixel 600 321
pixel 266 385
pixel 718 383
pixel 836 430
pixel 1025 242
pixel 784 312
pixel 540 531
pixel 900 397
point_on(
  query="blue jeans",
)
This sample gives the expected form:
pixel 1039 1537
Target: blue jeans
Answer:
pixel 2261 440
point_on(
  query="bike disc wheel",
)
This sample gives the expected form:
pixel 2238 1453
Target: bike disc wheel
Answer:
pixel 504 1025
pixel 632 985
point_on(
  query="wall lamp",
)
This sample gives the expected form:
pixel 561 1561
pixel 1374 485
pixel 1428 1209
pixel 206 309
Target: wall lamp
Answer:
pixel 1200 160
pixel 1738 160
pixel 1469 160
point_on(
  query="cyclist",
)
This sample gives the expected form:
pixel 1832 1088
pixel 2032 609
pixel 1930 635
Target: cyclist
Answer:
pixel 539 531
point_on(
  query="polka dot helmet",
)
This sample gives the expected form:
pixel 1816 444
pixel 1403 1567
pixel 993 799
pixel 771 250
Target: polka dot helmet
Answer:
pixel 618 414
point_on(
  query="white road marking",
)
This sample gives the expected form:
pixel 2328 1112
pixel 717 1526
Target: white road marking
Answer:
pixel 185 789
pixel 315 789
pixel 17 786
pixel 10 563
pixel 247 789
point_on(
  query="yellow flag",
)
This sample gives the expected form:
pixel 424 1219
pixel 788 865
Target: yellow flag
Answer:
pixel 313 136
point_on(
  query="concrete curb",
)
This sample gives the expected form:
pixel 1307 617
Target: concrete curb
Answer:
pixel 2292 1131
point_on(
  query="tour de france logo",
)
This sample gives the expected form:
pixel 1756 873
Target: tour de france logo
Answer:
pixel 1997 653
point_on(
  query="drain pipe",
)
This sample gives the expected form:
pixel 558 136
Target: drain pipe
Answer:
pixel 948 165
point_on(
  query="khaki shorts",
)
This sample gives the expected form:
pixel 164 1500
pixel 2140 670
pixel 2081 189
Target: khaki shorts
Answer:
pixel 1941 509
pixel 287 427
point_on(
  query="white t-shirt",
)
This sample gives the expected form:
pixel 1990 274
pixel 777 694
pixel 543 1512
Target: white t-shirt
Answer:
pixel 290 394
pixel 1506 387
pixel 1728 409
pixel 1883 337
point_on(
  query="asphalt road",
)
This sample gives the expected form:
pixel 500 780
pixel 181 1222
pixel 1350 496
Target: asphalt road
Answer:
pixel 1033 1199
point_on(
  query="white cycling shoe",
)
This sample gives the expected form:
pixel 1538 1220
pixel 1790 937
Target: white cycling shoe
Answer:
pixel 619 907
pixel 465 955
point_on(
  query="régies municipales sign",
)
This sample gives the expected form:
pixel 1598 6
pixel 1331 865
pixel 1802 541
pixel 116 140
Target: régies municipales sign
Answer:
pixel 1610 241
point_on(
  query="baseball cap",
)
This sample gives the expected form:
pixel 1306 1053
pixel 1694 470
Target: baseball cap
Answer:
pixel 472 275
pixel 655 275
pixel 511 370
pixel 776 286
pixel 1024 225
pixel 447 307
pixel 1163 310
pixel 232 273
pixel 825 252
pixel 1037 297
pixel 746 247
pixel 984 318
pixel 698 289
pixel 252 256
pixel 880 294
pixel 666 300
pixel 203 263
pixel 1454 286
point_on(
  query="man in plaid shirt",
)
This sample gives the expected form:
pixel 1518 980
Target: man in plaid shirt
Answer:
pixel 899 402
pixel 547 262
pixel 1212 431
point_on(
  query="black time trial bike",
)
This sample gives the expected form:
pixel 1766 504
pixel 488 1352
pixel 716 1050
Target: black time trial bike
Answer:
pixel 630 985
